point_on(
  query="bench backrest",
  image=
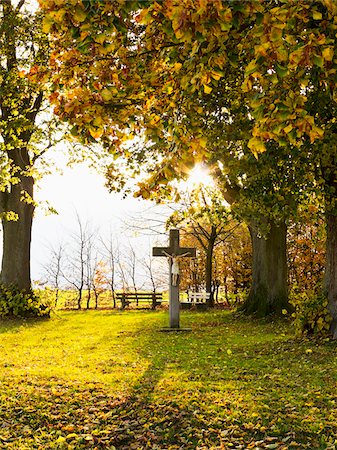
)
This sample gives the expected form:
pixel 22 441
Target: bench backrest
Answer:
pixel 198 296
pixel 140 295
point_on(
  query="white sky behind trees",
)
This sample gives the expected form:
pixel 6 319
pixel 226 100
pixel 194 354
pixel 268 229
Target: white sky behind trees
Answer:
pixel 79 189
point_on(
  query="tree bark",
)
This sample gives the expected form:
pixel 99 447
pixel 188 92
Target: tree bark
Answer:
pixel 113 294
pixel 15 269
pixel 88 298
pixel 79 298
pixel 269 290
pixel 330 278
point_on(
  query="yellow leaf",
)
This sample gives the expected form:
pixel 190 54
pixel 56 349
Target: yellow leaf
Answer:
pixel 168 88
pixel 296 56
pixel 144 193
pixel 327 53
pixel 320 323
pixel 251 68
pixel 216 75
pixel 58 15
pixel 261 49
pixel 275 34
pixel 315 133
pixel 71 436
pixel 203 142
pixel 98 121
pixel 288 128
pixel 229 352
pixel 256 145
pixel 47 24
pixel 317 15
pixel 106 95
pixel 100 38
pixel 96 133
pixel 79 14
pixel 207 89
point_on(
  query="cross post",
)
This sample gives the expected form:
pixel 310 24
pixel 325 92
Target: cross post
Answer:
pixel 174 252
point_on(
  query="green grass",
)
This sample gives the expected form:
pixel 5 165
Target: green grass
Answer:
pixel 109 379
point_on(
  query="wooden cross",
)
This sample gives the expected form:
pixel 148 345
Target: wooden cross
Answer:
pixel 174 252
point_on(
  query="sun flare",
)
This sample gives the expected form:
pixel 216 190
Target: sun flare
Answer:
pixel 199 175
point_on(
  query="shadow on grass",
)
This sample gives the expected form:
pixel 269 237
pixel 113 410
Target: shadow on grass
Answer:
pixel 12 325
pixel 193 393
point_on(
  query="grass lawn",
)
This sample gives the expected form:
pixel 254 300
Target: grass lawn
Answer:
pixel 105 380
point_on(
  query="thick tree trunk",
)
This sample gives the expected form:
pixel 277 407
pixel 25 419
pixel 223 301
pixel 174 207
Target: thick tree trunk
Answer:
pixel 269 291
pixel 15 269
pixel 330 279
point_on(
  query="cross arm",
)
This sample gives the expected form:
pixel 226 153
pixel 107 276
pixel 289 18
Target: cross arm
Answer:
pixel 190 252
pixel 168 251
pixel 161 251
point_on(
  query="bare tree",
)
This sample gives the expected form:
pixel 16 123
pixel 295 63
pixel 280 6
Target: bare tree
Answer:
pixel 131 268
pixel 123 277
pixel 156 278
pixel 53 269
pixel 90 265
pixel 77 262
pixel 99 279
pixel 151 222
pixel 110 254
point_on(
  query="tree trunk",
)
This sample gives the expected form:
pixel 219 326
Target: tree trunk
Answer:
pixel 57 291
pixel 209 266
pixel 330 278
pixel 154 301
pixel 113 297
pixel 269 290
pixel 96 299
pixel 15 269
pixel 88 298
pixel 79 299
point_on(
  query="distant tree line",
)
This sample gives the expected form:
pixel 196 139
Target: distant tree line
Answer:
pixel 90 267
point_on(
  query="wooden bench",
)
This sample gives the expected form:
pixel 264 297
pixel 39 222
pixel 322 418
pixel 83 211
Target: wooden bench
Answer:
pixel 132 297
pixel 198 299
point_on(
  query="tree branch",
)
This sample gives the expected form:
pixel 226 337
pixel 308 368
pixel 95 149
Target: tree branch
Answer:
pixel 20 5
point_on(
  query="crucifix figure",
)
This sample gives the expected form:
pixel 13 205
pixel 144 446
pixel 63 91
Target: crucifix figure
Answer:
pixel 175 265
pixel 174 252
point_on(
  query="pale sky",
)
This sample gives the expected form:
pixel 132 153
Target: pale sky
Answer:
pixel 81 189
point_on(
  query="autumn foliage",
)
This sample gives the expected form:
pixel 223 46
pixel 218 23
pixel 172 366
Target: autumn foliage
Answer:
pixel 146 69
